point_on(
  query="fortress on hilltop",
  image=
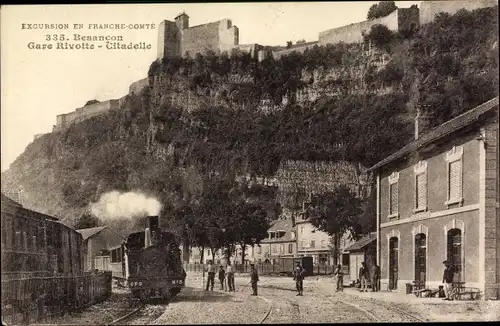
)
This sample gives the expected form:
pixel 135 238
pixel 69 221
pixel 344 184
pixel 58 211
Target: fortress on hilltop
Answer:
pixel 177 39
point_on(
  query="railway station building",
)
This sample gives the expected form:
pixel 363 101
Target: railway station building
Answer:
pixel 438 199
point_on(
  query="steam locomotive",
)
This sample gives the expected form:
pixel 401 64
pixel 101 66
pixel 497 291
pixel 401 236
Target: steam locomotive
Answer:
pixel 152 263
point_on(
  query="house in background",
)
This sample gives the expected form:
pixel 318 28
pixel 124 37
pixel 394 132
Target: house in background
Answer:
pixel 99 241
pixel 438 199
pixel 363 250
pixel 312 242
pixel 282 242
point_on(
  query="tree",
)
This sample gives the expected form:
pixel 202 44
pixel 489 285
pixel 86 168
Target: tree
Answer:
pixel 86 220
pixel 382 9
pixel 289 44
pixel 335 213
pixel 91 102
pixel 380 35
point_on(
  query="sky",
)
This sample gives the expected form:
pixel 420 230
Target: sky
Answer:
pixel 37 85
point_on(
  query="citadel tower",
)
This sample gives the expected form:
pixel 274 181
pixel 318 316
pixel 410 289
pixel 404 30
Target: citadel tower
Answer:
pixel 177 39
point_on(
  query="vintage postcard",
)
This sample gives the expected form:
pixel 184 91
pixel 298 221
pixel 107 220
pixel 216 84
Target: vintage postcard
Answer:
pixel 250 162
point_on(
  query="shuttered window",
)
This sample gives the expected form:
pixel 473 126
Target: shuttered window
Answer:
pixel 421 191
pixel 454 179
pixel 393 208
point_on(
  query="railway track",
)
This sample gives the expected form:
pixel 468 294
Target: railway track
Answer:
pixel 391 311
pixel 401 312
pixel 127 316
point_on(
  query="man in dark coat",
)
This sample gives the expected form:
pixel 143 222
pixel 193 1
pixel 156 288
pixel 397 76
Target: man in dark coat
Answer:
pixel 375 274
pixel 340 278
pixel 364 276
pixel 254 278
pixel 298 276
pixel 222 276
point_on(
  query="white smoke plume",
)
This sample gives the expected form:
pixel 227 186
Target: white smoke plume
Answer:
pixel 116 205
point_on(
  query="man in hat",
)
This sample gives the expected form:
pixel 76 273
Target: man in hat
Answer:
pixel 254 278
pixel 298 276
pixel 211 276
pixel 222 277
pixel 230 276
pixel 364 276
pixel 340 278
pixel 375 275
pixel 449 273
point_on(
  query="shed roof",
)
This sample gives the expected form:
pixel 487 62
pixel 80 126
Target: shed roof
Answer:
pixel 8 201
pixel 441 131
pixel 90 232
pixel 363 242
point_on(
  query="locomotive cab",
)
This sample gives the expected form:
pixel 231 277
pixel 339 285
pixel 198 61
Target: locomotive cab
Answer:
pixel 152 264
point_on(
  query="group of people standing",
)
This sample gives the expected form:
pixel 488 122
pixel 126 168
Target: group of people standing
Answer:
pixel 372 275
pixel 364 276
pixel 226 277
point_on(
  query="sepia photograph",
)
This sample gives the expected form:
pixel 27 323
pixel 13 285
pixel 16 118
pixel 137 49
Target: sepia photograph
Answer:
pixel 250 163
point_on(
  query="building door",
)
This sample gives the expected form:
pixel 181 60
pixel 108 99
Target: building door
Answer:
pixel 393 263
pixel 454 250
pixel 420 257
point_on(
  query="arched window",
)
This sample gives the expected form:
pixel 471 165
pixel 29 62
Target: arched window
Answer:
pixel 393 262
pixel 420 257
pixel 454 251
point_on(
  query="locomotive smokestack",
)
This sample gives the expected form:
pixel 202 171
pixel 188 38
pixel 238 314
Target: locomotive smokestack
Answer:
pixel 153 223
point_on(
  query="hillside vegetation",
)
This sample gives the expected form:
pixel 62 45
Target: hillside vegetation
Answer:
pixel 363 111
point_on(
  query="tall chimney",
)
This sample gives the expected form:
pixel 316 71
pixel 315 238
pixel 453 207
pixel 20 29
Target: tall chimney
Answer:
pixel 153 222
pixel 422 122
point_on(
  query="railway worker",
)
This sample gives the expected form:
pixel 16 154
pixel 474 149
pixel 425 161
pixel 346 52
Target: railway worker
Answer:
pixel 375 274
pixel 222 276
pixel 254 278
pixel 298 276
pixel 340 278
pixel 448 275
pixel 211 276
pixel 230 276
pixel 364 276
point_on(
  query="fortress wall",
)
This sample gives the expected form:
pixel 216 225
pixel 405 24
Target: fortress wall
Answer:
pixel 408 18
pixel 169 40
pixel 121 101
pixel 228 35
pixel 430 9
pixel 299 49
pixel 137 86
pixel 352 33
pixel 200 38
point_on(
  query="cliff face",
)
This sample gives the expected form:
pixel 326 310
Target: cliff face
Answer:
pixel 230 115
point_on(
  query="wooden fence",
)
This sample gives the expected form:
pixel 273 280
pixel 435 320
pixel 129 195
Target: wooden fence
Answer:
pixel 37 299
pixel 265 269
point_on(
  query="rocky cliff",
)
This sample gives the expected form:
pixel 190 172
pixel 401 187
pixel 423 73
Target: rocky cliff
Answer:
pixel 231 115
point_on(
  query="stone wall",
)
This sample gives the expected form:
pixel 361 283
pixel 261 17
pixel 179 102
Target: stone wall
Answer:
pixel 169 40
pixel 200 39
pixel 136 87
pixel 228 35
pixel 429 9
pixel 86 112
pixel 353 33
pixel 299 49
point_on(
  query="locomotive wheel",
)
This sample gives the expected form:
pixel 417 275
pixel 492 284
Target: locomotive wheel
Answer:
pixel 136 293
pixel 174 291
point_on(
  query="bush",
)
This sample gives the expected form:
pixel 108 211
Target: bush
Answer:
pixel 380 36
